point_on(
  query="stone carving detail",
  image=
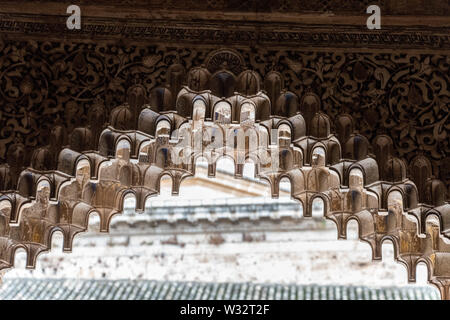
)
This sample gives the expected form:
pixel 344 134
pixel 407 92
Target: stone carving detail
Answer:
pixel 438 7
pixel 45 84
pixel 225 59
pixel 325 144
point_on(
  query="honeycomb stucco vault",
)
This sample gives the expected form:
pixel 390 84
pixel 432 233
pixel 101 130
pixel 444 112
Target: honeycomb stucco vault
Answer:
pixel 84 123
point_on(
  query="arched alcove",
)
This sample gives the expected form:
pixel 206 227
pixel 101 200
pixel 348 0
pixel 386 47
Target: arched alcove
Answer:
pixel 222 112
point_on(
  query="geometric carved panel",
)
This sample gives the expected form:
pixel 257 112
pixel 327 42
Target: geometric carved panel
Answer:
pixel 402 95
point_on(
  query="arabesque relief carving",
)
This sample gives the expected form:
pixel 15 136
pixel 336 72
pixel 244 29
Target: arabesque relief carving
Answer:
pixel 47 84
pixel 89 124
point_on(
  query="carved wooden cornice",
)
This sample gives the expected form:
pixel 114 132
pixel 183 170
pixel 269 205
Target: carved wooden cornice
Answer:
pixel 232 24
pixel 242 35
pixel 341 7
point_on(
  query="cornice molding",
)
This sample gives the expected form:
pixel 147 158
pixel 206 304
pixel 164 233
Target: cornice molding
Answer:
pixel 341 7
pixel 249 33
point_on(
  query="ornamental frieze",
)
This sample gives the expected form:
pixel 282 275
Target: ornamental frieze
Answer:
pixel 392 7
pixel 213 33
pixel 221 114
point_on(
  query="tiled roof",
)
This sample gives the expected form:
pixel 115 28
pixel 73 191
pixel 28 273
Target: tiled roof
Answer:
pixel 63 289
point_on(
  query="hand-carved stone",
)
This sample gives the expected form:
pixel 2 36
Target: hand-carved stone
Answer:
pixel 340 169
